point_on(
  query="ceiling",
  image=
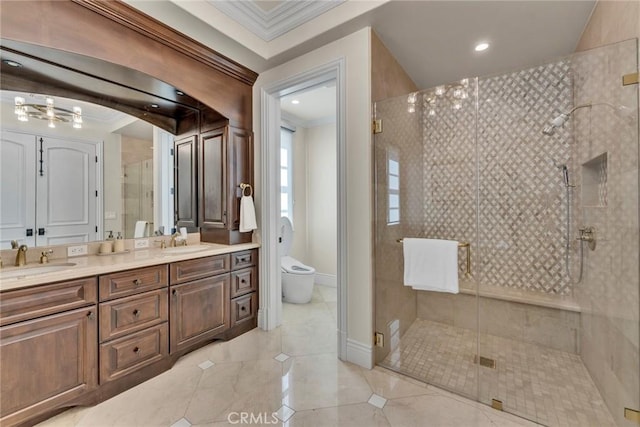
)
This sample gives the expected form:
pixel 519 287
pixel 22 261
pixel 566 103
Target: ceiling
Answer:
pixel 314 107
pixel 432 40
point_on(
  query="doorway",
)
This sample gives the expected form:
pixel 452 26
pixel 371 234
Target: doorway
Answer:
pixel 270 313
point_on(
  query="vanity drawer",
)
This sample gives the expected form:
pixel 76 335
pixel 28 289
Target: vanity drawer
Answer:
pixel 122 356
pixel 244 281
pixel 243 309
pixel 126 315
pixel 244 259
pixel 132 282
pixel 38 301
pixel 185 271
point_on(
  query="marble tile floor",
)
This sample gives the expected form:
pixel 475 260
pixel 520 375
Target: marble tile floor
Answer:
pixel 548 386
pixel 290 376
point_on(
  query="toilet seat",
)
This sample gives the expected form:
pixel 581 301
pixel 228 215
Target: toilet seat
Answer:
pixel 293 266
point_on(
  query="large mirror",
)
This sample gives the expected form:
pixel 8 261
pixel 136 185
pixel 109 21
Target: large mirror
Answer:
pixel 106 174
pixel 77 161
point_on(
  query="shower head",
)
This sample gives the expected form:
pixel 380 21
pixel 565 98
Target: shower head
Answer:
pixel 560 120
pixel 557 122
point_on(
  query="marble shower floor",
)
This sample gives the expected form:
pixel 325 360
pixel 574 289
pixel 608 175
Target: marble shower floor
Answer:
pixel 292 371
pixel 548 386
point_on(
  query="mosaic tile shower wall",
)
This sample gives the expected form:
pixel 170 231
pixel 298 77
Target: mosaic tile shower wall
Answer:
pixel 522 193
pixel 517 190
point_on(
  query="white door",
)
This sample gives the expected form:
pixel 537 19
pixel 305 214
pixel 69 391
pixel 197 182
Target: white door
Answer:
pixel 17 188
pixel 66 192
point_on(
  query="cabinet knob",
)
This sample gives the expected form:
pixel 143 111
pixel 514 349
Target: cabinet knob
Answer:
pixel 243 281
pixel 136 313
pixel 136 350
pixel 174 293
pixel 137 282
pixel 90 315
pixel 243 308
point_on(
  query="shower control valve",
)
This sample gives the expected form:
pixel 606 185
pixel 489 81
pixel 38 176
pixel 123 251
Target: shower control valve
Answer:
pixel 588 234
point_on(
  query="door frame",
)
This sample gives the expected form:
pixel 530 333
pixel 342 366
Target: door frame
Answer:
pixel 270 312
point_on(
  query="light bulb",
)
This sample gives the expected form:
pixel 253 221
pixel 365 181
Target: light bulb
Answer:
pixel 52 124
pixel 440 90
pixel 23 118
pixel 77 125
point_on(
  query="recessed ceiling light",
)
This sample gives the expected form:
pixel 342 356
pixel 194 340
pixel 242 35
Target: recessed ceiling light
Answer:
pixel 154 106
pixel 179 92
pixel 12 63
pixel 295 102
pixel 481 46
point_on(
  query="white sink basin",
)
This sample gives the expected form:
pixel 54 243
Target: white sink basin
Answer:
pixel 33 271
pixel 184 249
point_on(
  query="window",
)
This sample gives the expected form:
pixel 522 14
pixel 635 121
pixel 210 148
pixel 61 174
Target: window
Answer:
pixel 393 190
pixel 286 173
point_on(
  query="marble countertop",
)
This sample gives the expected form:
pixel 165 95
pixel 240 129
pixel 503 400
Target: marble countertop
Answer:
pixel 94 265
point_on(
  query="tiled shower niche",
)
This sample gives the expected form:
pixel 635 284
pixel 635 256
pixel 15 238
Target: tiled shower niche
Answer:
pixel 594 182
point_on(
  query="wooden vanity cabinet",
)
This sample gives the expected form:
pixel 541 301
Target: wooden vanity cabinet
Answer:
pixel 133 328
pixel 47 361
pixel 244 290
pixel 199 301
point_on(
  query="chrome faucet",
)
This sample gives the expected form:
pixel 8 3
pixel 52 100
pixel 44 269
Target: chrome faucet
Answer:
pixel 21 256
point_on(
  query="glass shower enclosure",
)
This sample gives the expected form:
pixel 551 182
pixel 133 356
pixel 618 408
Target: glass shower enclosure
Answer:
pixel 537 171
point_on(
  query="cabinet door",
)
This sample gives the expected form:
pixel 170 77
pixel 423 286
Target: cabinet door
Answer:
pixel 213 209
pixel 186 194
pixel 240 171
pixel 47 362
pixel 199 311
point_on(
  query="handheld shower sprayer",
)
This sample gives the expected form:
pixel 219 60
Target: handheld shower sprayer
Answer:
pixel 565 174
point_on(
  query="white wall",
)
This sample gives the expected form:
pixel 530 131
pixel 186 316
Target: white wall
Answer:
pixel 355 49
pixel 321 199
pixel 300 237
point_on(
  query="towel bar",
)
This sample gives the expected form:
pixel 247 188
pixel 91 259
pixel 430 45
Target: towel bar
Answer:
pixel 466 245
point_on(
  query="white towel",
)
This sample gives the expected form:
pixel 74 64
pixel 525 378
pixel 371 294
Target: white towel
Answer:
pixel 140 229
pixel 431 265
pixel 247 214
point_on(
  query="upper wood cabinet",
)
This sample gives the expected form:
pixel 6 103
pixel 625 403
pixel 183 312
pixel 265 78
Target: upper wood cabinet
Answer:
pixel 185 179
pixel 209 170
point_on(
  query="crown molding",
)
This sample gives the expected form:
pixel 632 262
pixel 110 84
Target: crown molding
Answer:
pixel 273 23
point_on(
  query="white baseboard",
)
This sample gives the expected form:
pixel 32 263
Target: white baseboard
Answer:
pixel 326 280
pixel 359 353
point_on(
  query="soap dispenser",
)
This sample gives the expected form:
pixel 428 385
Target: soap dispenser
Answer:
pixel 106 247
pixel 118 245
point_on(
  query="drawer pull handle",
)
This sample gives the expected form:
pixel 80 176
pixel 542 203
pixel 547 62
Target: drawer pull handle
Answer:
pixel 136 313
pixel 137 282
pixel 90 315
pixel 174 293
pixel 136 350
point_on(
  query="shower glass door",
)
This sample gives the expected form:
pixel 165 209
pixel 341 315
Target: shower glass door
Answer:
pixel 426 186
pixel 558 322
pixel 537 170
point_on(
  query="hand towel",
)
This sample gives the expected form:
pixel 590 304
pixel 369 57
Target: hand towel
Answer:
pixel 431 264
pixel 247 214
pixel 140 229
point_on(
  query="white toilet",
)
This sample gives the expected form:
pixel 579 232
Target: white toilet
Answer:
pixel 297 278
